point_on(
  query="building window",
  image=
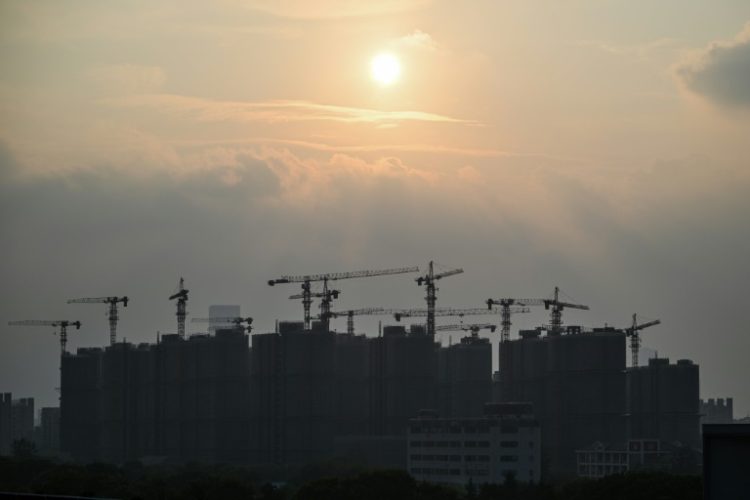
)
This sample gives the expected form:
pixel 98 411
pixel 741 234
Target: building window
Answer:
pixel 483 444
pixel 509 444
pixel 508 428
pixel 508 458
pixel 470 444
pixel 416 444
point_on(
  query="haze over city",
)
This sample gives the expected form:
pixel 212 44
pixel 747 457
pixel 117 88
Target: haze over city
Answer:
pixel 596 146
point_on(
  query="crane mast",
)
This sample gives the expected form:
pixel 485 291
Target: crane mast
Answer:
pixel 182 297
pixel 325 305
pixel 428 280
pixel 507 309
pixel 635 337
pixel 62 324
pixel 112 313
pixel 329 295
pixel 557 307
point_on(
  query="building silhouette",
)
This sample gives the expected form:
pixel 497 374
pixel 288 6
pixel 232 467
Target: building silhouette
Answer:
pixel 576 383
pixel 293 397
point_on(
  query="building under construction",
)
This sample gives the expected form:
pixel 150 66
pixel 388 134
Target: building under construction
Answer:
pixel 298 396
pixel 583 393
pixel 180 399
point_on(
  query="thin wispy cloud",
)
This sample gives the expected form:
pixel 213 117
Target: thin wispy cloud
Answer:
pixel 323 9
pixel 639 51
pixel 418 39
pixel 276 111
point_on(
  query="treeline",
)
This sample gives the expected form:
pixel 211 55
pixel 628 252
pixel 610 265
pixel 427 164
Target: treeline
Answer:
pixel 321 482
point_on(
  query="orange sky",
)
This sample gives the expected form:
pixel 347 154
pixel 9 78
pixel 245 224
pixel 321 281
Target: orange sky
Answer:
pixel 598 146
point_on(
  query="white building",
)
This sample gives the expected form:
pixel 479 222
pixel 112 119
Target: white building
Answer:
pixel 505 442
pixel 599 460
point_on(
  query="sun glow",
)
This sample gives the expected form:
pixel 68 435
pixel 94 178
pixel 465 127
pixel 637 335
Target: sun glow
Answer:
pixel 385 69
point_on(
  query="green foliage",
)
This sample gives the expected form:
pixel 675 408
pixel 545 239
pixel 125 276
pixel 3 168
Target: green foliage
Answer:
pixel 134 481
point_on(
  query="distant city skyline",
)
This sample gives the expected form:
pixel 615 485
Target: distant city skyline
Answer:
pixel 596 146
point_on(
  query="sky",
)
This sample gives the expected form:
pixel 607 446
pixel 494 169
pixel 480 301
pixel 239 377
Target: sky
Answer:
pixel 596 145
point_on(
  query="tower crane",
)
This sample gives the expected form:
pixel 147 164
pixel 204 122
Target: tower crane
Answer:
pixel 507 307
pixel 473 328
pixel 359 312
pixel 633 332
pixel 306 280
pixel 325 305
pixel 556 307
pixel 111 312
pixel 63 324
pixel 428 280
pixel 448 311
pixel 237 321
pixel 182 297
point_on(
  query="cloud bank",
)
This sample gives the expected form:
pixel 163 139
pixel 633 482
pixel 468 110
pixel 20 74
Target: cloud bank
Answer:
pixel 721 72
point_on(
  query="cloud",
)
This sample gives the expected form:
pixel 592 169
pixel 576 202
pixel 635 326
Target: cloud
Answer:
pixel 418 39
pixel 323 9
pixel 720 72
pixel 639 52
pixel 277 111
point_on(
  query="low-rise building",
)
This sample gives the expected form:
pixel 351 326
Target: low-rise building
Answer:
pixel 717 411
pixel 599 459
pixel 726 454
pixel 505 442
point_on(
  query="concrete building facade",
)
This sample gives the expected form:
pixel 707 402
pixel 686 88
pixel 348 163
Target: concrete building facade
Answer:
pixel 465 382
pixel 663 402
pixel 6 432
pixel 717 411
pixel 294 395
pixel 22 419
pixel 184 399
pixel 576 383
pixel 600 460
pixel 505 442
pixel 726 455
pixel 49 430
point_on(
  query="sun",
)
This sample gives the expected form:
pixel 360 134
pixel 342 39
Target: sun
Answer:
pixel 385 69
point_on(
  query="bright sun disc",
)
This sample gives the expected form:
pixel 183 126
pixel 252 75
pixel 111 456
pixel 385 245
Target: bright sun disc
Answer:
pixel 385 69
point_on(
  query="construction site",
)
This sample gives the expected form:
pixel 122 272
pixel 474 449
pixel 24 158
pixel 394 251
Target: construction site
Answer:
pixel 304 393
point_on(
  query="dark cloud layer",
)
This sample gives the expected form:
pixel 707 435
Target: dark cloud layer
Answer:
pixel 722 72
pixel 228 229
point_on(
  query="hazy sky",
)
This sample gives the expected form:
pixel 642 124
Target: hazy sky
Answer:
pixel 598 145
